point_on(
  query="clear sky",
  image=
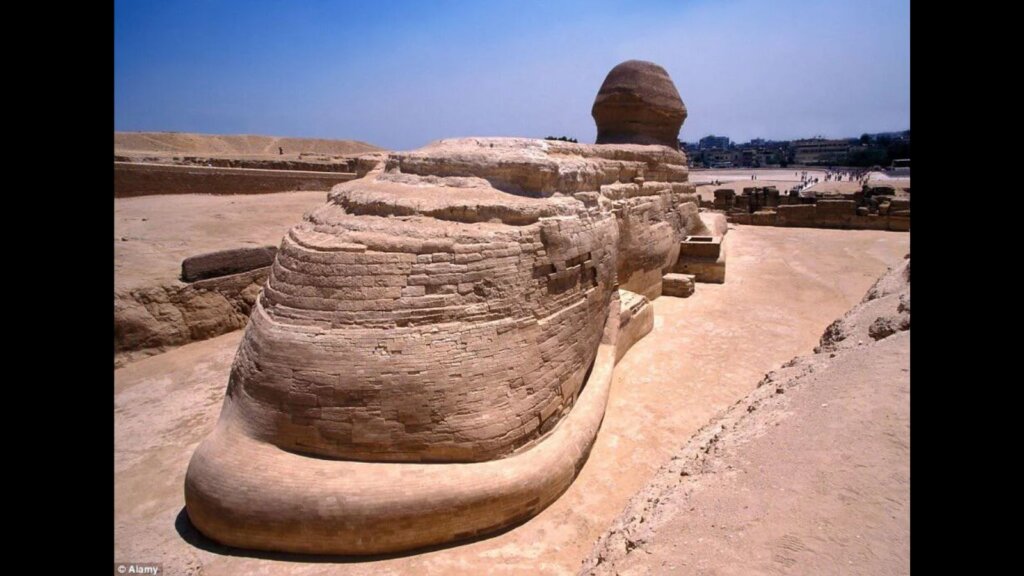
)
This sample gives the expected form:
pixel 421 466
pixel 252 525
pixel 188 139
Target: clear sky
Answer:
pixel 401 73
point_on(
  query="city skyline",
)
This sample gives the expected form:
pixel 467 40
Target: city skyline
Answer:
pixel 814 137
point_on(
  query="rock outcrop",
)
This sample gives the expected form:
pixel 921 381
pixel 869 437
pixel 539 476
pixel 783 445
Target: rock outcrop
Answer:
pixel 638 104
pixel 150 320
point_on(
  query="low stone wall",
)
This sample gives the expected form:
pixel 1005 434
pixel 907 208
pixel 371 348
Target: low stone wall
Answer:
pixel 840 214
pixel 133 179
pixel 325 165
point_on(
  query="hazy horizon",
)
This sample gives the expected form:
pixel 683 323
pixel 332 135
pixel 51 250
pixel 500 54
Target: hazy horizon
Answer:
pixel 401 74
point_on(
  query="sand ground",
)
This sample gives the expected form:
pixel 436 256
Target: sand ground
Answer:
pixel 823 487
pixel 783 287
pixel 737 179
pixel 153 234
pixel 808 474
pixel 847 187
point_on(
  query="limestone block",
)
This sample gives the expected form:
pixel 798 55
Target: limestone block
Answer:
pixel 678 285
pixel 869 222
pixel 702 257
pixel 796 215
pixel 899 204
pixel 225 262
pixel 763 218
pixel 700 247
pixel 739 217
pixel 899 223
pixel 835 213
pixel 636 320
pixel 715 222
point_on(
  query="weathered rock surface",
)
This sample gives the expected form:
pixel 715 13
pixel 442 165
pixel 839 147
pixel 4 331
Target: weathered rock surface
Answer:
pixel 150 320
pixel 447 308
pixel 431 356
pixel 678 285
pixel 541 168
pixel 885 311
pixel 638 104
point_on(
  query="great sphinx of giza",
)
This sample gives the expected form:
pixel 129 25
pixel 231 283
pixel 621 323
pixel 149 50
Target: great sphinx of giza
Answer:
pixel 431 356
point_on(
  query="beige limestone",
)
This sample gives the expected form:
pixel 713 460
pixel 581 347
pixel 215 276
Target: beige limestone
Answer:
pixel 636 320
pixel 457 305
pixel 844 205
pixel 703 257
pixel 638 103
pixel 678 285
pixel 446 308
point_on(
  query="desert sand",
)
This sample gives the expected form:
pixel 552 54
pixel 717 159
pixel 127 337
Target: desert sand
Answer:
pixel 808 474
pixel 736 179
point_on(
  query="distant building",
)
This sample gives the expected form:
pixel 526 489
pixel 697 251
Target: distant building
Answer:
pixel 821 151
pixel 716 158
pixel 715 142
pixel 749 158
pixel 692 151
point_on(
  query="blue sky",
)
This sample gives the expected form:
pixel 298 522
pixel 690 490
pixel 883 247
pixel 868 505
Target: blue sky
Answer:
pixel 400 74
